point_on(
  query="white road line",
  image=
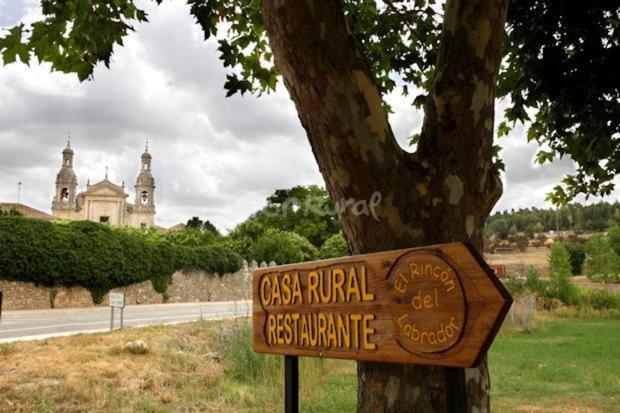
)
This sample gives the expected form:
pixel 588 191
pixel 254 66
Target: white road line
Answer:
pixel 100 330
pixel 125 320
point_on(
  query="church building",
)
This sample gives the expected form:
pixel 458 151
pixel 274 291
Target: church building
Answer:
pixel 104 201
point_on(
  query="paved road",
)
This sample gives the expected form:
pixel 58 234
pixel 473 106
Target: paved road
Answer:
pixel 39 324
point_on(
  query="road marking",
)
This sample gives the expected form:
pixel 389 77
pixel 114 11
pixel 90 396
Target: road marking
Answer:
pixel 125 321
pixel 100 330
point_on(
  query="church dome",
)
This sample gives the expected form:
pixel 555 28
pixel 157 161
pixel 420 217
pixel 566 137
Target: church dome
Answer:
pixel 66 173
pixel 146 155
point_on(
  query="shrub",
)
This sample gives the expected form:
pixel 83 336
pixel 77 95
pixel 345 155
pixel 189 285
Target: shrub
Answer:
pixel 560 285
pixel 190 237
pixel 240 360
pixel 602 262
pixel 219 259
pixel 613 235
pixel 522 242
pixel 95 256
pixel 577 257
pixel 534 284
pixel 283 247
pixel 10 213
pixel 514 285
pixel 601 300
pixel 334 247
pixel 529 231
pixel 241 239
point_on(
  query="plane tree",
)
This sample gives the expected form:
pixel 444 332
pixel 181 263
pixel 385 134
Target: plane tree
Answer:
pixel 339 58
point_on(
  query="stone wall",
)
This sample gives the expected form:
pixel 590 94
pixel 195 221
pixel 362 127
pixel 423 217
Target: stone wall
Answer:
pixel 195 286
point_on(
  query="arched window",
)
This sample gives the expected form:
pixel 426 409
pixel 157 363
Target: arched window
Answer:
pixel 144 197
pixel 64 194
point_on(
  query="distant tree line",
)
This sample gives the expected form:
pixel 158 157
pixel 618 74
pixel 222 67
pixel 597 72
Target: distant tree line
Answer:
pixel 574 217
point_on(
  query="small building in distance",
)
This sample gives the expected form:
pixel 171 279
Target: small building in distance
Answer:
pixel 104 201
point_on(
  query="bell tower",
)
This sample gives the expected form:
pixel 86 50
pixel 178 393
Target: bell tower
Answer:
pixel 144 205
pixel 66 183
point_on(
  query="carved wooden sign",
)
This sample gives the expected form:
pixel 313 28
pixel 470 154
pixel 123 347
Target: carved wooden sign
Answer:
pixel 439 305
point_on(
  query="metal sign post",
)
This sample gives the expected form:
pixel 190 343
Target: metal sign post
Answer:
pixel 291 384
pixel 456 390
pixel 116 300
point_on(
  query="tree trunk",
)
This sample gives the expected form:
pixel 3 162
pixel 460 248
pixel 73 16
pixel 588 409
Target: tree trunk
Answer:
pixel 442 193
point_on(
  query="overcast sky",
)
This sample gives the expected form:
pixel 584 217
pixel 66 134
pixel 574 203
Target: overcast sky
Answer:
pixel 214 157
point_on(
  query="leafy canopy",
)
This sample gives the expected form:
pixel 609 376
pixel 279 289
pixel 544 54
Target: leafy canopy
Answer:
pixel 305 210
pixel 558 75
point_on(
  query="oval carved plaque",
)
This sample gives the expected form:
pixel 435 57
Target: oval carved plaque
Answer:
pixel 428 304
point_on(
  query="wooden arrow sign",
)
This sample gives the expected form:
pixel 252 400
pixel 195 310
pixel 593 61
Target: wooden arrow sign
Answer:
pixel 438 305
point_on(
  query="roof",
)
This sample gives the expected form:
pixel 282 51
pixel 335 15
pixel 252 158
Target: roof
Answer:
pixel 105 188
pixel 26 210
pixel 177 227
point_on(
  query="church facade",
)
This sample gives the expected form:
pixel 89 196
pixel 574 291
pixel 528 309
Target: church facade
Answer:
pixel 104 201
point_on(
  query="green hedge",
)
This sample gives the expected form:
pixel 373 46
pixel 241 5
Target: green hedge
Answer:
pixel 98 257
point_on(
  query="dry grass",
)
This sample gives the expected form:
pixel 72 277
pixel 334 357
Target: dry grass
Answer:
pixel 559 364
pixel 582 282
pixel 177 369
pixel 521 261
pixel 518 263
pixel 109 372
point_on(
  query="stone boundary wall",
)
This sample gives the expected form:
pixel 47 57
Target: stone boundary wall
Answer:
pixel 186 287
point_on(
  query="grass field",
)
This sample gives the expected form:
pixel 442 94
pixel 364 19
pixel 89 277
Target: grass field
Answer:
pixel 561 365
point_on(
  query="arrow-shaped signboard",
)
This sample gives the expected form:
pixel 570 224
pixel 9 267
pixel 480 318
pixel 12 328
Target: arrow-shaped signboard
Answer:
pixel 439 305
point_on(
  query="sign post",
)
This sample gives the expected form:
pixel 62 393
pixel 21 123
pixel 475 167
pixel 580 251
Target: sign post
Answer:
pixel 436 305
pixel 291 384
pixel 116 300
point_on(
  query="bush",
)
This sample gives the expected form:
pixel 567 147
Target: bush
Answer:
pixel 577 257
pixel 334 247
pixel 514 285
pixel 219 259
pixel 240 360
pixel 602 262
pixel 96 256
pixel 560 285
pixel 521 242
pixel 601 300
pixel 241 238
pixel 283 247
pixel 191 237
pixel 10 213
pixel 613 235
pixel 534 284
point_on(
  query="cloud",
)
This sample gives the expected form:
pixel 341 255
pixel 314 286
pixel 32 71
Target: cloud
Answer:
pixel 214 157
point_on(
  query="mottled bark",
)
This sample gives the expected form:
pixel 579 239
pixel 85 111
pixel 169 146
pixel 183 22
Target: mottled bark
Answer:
pixel 442 193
